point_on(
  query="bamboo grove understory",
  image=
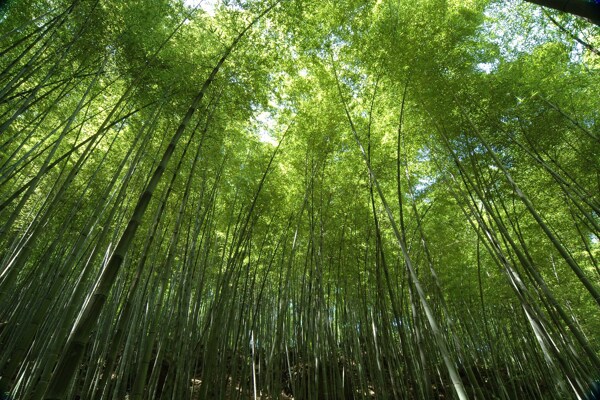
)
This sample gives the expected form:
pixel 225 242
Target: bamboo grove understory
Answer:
pixel 298 200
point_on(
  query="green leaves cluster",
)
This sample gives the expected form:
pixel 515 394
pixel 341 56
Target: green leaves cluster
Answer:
pixel 457 258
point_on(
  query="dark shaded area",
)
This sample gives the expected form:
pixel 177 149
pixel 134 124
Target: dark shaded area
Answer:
pixel 581 8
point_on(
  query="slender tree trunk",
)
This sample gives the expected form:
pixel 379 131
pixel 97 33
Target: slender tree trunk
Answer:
pixel 80 335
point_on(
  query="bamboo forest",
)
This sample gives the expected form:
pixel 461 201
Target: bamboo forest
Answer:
pixel 299 200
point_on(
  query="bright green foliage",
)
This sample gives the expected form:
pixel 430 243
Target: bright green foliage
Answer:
pixel 308 200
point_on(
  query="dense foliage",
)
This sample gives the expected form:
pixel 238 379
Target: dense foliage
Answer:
pixel 308 200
